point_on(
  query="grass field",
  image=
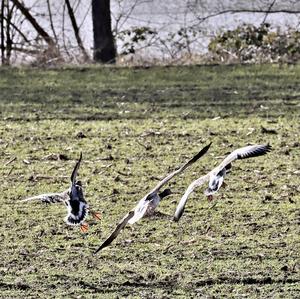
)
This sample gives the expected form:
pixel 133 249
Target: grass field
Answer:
pixel 134 126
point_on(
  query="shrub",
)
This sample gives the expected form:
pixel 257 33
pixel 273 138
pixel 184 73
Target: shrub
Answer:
pixel 251 44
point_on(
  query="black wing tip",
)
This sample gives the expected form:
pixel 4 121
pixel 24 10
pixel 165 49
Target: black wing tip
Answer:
pixel 201 153
pixel 110 239
pixel 76 167
pixel 98 249
pixel 106 243
pixel 79 160
pixel 264 149
pixel 268 147
pixel 259 151
pixel 177 217
pixel 206 148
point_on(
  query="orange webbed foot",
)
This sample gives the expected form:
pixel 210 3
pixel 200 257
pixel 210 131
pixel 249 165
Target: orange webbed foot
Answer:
pixel 84 227
pixel 96 215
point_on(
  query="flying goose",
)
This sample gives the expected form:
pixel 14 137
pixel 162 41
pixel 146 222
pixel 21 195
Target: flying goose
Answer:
pixel 150 201
pixel 77 207
pixel 215 177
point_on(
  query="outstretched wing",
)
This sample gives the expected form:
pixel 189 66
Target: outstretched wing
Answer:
pixel 76 186
pixel 189 190
pixel 241 153
pixel 117 230
pixel 75 170
pixel 244 153
pixel 181 169
pixel 50 197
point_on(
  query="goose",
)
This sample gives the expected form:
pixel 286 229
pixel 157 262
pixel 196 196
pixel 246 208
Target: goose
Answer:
pixel 215 178
pixel 73 198
pixel 150 201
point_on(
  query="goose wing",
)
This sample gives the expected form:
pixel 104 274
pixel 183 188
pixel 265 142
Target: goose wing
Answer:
pixel 75 170
pixel 184 198
pixel 244 153
pixel 181 169
pixel 50 197
pixel 76 186
pixel 141 208
pixel 241 153
pixel 116 231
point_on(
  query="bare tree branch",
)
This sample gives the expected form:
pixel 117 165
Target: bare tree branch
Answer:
pixel 76 5
pixel 16 28
pixel 76 30
pixel 235 11
pixel 23 50
pixel 127 14
pixel 85 16
pixel 48 39
pixel 63 30
pixel 51 21
pixel 269 9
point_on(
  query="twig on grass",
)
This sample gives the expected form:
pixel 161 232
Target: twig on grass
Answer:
pixel 10 161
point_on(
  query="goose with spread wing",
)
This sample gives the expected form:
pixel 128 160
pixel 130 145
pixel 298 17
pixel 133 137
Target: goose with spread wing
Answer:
pixel 215 178
pixel 150 201
pixel 73 198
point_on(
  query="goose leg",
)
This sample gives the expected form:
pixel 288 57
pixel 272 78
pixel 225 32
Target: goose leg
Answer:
pixel 224 185
pixel 210 197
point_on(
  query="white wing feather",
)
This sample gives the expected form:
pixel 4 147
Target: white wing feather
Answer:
pixel 189 190
pixel 140 210
pixel 241 153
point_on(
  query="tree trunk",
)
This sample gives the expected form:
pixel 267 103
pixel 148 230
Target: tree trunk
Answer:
pixel 104 46
pixel 2 37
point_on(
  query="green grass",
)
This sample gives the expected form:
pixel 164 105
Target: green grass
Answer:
pixel 138 125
